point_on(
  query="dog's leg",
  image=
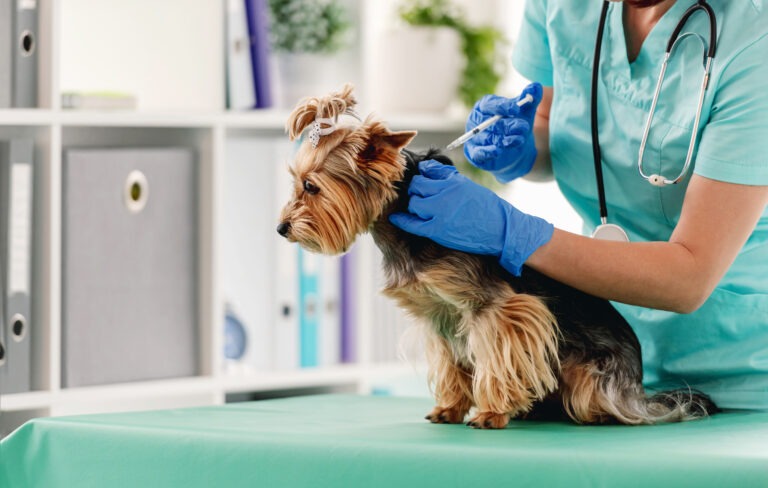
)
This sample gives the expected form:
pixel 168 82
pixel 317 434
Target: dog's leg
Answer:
pixel 452 383
pixel 513 346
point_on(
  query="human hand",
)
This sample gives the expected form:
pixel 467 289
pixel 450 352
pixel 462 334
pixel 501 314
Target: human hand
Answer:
pixel 457 213
pixel 506 148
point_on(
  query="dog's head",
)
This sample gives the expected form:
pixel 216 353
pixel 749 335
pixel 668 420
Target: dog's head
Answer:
pixel 344 174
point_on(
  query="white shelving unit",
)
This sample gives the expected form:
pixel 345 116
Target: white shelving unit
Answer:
pixel 209 132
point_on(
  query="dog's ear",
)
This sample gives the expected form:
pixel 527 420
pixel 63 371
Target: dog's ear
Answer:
pixel 380 159
pixel 381 140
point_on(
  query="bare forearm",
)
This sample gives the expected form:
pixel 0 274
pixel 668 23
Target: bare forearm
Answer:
pixel 542 168
pixel 662 275
pixel 678 275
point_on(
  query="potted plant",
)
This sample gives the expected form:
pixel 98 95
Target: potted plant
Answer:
pixel 304 35
pixel 483 65
pixel 482 68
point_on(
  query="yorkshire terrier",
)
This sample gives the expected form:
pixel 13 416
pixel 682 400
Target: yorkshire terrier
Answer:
pixel 513 347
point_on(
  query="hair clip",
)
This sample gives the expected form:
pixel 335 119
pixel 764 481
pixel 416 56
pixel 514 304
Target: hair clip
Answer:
pixel 318 130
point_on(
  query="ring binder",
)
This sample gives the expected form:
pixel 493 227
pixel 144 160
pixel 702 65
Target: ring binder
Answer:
pixel 6 54
pixel 16 187
pixel 24 53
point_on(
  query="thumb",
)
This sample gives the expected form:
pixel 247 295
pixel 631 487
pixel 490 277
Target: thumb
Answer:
pixel 435 170
pixel 536 91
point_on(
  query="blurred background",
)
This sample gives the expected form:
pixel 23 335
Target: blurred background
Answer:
pixel 142 168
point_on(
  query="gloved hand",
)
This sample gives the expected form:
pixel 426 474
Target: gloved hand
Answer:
pixel 506 148
pixel 458 213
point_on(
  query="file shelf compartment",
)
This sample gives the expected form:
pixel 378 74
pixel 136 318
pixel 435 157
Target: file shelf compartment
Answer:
pixel 211 132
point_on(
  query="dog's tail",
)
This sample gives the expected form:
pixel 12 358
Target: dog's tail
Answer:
pixel 677 406
pixel 590 396
pixel 330 106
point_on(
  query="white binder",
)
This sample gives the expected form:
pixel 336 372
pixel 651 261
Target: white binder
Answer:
pixel 241 94
pixel 286 336
pixel 330 311
pixel 247 240
pixel 16 186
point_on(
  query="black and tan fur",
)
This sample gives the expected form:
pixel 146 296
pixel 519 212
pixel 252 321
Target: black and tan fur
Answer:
pixel 513 347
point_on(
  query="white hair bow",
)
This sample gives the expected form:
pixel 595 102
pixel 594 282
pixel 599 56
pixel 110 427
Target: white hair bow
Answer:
pixel 323 126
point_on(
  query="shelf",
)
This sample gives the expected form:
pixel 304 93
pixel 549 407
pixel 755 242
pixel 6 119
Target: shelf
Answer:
pixel 301 378
pixel 139 389
pixel 265 120
pixel 180 108
pixel 25 117
pixel 25 401
pixel 241 382
pixel 75 118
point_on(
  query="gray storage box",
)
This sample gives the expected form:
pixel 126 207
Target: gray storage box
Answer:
pixel 129 277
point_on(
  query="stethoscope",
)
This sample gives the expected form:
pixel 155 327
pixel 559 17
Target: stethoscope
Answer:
pixel 612 231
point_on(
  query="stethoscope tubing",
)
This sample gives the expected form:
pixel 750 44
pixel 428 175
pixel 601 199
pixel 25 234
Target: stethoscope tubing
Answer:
pixel 656 180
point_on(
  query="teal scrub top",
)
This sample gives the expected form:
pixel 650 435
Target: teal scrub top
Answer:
pixel 722 348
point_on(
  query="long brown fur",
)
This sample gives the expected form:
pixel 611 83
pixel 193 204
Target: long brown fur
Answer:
pixel 505 345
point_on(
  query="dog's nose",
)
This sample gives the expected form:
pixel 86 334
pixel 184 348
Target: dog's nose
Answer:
pixel 283 228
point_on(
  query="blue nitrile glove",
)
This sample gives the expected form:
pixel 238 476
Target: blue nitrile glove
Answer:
pixel 506 148
pixel 456 212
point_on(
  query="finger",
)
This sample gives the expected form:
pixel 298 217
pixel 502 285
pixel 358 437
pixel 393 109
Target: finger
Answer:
pixel 425 187
pixel 475 118
pixel 507 127
pixel 485 138
pixel 482 156
pixel 508 107
pixel 536 91
pixel 513 141
pixel 511 126
pixel 409 223
pixel 435 170
pixel 498 105
pixel 420 207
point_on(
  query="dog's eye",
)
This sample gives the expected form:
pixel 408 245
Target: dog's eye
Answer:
pixel 310 188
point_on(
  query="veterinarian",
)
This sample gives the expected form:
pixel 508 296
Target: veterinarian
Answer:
pixel 691 277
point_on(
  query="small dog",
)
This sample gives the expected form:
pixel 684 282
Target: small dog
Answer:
pixel 513 347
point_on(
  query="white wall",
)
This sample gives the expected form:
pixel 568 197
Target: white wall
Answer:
pixel 168 53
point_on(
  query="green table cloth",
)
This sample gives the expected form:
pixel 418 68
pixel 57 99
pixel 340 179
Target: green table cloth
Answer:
pixel 369 441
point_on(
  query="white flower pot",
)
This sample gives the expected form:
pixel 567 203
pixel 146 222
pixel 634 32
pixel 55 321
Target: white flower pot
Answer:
pixel 416 69
pixel 302 75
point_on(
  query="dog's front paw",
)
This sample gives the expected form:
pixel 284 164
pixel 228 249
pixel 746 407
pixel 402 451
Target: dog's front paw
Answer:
pixel 489 420
pixel 450 415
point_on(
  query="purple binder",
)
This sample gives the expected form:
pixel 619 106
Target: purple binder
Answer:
pixel 257 13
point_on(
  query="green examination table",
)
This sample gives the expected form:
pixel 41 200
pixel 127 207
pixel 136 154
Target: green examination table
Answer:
pixel 370 441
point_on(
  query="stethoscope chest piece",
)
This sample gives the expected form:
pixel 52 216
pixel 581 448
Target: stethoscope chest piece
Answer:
pixel 610 232
pixel 613 232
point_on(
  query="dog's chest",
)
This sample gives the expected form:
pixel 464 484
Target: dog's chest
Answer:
pixel 428 305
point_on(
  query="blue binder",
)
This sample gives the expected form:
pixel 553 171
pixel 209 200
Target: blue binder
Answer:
pixel 309 305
